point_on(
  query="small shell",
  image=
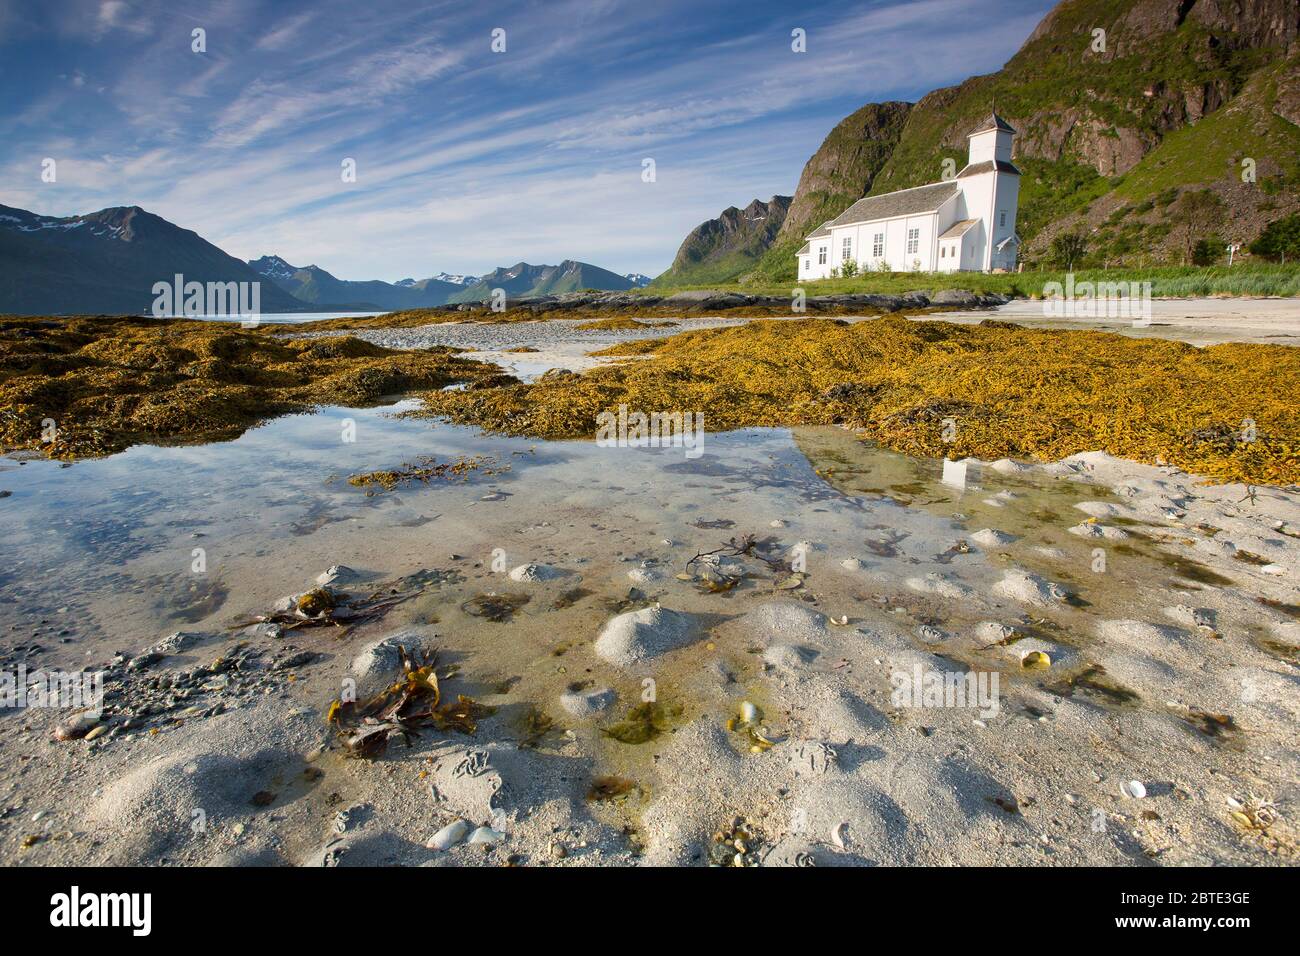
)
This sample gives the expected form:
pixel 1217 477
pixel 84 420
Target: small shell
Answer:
pixel 748 712
pixel 486 835
pixel 1036 660
pixel 448 836
pixel 1133 788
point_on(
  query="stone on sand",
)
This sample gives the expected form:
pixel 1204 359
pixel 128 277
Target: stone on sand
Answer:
pixel 1028 588
pixel 638 636
pixel 378 664
pixel 535 573
pixel 989 538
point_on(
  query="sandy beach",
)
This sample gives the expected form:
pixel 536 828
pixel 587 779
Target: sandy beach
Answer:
pixel 679 659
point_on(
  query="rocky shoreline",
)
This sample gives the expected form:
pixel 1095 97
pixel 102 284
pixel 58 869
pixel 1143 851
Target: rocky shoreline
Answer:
pixel 690 304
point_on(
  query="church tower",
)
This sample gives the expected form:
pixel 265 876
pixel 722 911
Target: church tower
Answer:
pixel 990 187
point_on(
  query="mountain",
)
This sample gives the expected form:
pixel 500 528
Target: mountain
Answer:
pixel 838 175
pixel 1181 93
pixel 522 279
pixel 313 284
pixel 722 249
pixel 1111 133
pixel 453 279
pixel 108 262
pixel 638 280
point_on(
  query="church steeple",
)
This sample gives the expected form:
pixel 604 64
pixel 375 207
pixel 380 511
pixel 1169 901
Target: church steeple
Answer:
pixel 991 140
pixel 992 122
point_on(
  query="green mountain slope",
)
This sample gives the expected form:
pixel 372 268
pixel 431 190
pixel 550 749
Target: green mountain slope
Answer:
pixel 1111 129
pixel 522 279
pixel 1086 116
pixel 1257 132
pixel 723 249
pixel 839 173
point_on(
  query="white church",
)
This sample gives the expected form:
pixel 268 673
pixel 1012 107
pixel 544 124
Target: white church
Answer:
pixel 967 223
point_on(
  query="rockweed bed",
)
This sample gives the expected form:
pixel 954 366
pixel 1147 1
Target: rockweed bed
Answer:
pixel 1228 412
pixel 110 382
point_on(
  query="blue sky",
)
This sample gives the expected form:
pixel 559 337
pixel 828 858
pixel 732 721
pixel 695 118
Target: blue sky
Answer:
pixel 466 159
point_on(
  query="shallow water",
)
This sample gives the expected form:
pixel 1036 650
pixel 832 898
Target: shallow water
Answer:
pixel 155 539
pixel 289 318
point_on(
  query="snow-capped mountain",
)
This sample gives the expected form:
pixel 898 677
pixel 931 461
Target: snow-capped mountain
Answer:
pixel 108 261
pixel 453 279
pixel 638 280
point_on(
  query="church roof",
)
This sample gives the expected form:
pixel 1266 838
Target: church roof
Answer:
pixel 958 228
pixel 823 230
pixel 804 249
pixel 988 166
pixel 905 202
pixel 992 121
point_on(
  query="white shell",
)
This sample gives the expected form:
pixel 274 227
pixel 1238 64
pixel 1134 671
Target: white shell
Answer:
pixel 486 835
pixel 448 836
pixel 748 712
pixel 1133 788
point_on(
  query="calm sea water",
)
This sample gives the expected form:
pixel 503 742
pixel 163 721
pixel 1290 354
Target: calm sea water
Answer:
pixel 290 318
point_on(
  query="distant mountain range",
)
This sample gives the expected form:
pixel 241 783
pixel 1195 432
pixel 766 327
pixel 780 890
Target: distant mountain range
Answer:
pixel 313 284
pixel 522 279
pixel 723 249
pixel 109 261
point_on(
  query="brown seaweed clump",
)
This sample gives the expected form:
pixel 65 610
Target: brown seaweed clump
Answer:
pixel 937 389
pixel 93 385
pixel 427 469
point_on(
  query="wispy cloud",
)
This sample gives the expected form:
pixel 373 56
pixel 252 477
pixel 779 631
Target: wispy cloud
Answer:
pixel 466 158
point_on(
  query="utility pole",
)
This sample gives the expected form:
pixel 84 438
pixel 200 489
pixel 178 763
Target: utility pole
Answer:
pixel 1232 249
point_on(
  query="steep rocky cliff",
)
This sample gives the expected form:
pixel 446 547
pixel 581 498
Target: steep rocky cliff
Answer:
pixel 1120 106
pixel 725 248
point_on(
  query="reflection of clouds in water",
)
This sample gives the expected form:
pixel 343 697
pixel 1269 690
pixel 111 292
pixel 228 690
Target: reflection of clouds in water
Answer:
pixel 77 528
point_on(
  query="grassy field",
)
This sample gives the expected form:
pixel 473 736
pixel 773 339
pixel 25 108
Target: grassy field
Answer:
pixel 1262 279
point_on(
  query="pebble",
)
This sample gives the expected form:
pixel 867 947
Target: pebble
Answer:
pixel 448 836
